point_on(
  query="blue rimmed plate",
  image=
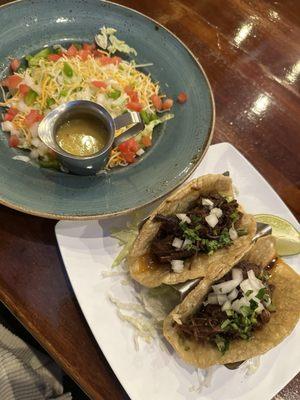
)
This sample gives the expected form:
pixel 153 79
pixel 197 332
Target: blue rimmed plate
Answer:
pixel 179 145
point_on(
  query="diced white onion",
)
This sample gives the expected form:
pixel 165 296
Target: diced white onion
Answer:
pixel 101 99
pixel 233 233
pixel 236 305
pixel 233 294
pixel 226 305
pixel 177 243
pixel 237 274
pixel 7 126
pixel 256 283
pixel 186 243
pixel 34 154
pixel 212 298
pixel 36 142
pixel 217 211
pixel 34 130
pixel 244 302
pixel 246 286
pixel 259 308
pixel 184 218
pixel 42 149
pixel 15 131
pixel 222 298
pixel 212 220
pixel 140 152
pixel 225 287
pixel 177 266
pixel 23 107
pixel 267 302
pixel 207 202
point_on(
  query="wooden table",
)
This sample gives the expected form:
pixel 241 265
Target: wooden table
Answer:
pixel 250 51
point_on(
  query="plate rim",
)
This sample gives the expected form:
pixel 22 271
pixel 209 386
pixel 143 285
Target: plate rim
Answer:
pixel 61 223
pixel 74 217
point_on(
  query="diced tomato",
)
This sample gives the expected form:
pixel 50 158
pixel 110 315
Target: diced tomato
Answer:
pixel 132 94
pixel 104 60
pixel 134 106
pixel 98 53
pixel 15 64
pixel 13 141
pixel 89 47
pixel 54 57
pixel 156 100
pixel 83 54
pixel 129 157
pixel 23 88
pixel 129 146
pixel 182 97
pixel 11 113
pixel 32 117
pixel 72 51
pixel 99 84
pixel 129 149
pixel 167 104
pixel 8 117
pixel 12 81
pixel 146 141
pixel 116 60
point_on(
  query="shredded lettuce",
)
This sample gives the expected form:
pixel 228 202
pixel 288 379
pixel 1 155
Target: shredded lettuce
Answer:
pixel 148 130
pixel 107 40
pixel 159 301
pixel 126 237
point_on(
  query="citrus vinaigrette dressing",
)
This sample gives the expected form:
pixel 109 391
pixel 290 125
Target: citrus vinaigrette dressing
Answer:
pixel 82 136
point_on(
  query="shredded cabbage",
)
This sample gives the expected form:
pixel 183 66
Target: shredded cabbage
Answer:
pixel 204 377
pixel 252 365
pixel 54 76
pixel 160 301
pixel 126 239
pixel 108 41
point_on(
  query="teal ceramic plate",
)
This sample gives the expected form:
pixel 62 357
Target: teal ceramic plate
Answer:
pixel 179 145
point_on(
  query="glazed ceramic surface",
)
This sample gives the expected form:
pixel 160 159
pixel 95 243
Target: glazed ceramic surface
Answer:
pixel 179 144
pixel 155 371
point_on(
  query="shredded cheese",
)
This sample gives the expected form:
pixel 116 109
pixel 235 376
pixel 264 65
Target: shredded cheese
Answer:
pixel 54 88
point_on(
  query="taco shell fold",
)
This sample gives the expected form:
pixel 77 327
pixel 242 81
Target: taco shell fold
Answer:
pixel 201 265
pixel 286 298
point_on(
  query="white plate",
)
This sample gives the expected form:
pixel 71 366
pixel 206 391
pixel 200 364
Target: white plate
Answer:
pixel 152 373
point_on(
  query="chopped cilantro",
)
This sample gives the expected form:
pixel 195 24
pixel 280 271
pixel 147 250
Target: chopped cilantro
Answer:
pixel 261 293
pixel 234 216
pixel 195 219
pixel 114 94
pixel 148 117
pixel 229 313
pixel 221 343
pixel 253 304
pixel 225 324
pixel 245 310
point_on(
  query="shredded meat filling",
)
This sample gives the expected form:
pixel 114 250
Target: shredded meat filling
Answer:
pixel 205 324
pixel 171 227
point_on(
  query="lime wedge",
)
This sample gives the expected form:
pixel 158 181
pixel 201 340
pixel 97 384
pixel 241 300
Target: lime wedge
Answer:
pixel 286 235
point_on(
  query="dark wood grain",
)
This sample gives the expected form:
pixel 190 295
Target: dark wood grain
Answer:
pixel 250 51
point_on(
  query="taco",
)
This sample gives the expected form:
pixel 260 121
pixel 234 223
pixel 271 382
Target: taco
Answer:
pixel 246 313
pixel 196 232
